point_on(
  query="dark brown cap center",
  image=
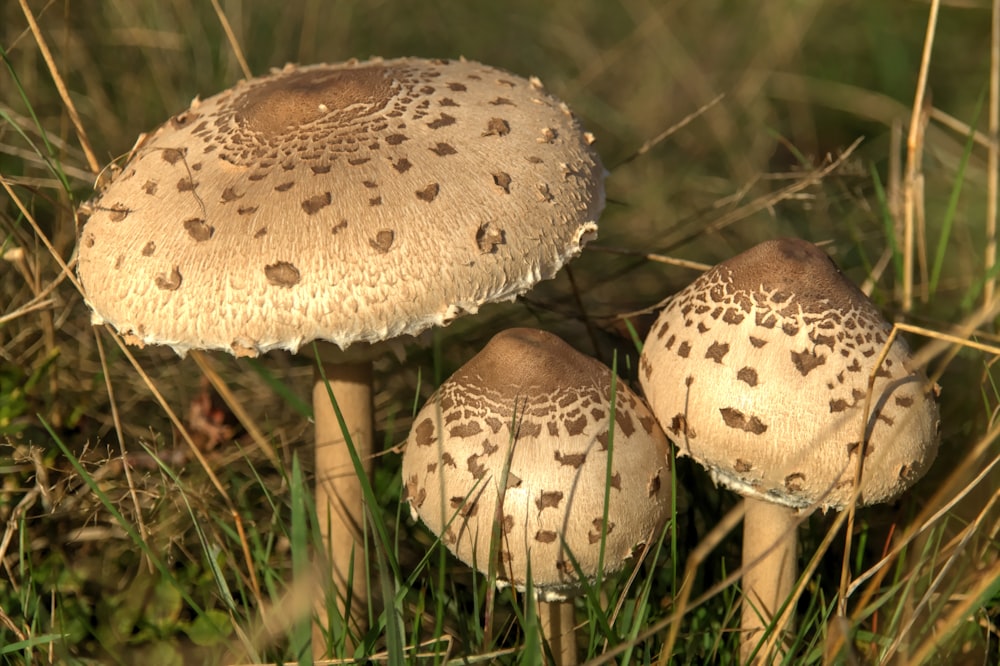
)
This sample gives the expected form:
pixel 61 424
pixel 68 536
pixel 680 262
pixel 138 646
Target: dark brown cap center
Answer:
pixel 299 99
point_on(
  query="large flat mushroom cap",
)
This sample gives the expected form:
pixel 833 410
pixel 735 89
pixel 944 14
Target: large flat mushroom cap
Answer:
pixel 759 370
pixel 352 203
pixel 531 415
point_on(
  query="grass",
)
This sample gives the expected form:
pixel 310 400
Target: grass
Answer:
pixel 157 562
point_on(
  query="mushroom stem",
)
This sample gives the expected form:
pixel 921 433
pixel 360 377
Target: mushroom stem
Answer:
pixel 339 498
pixel 558 624
pixel 770 540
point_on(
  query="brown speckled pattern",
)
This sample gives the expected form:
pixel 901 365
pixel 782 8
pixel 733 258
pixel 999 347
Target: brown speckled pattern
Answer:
pixel 350 202
pixel 779 414
pixel 530 399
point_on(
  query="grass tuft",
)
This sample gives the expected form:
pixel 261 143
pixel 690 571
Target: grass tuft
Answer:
pixel 147 518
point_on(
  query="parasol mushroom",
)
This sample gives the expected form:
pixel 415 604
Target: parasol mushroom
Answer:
pixel 351 203
pixel 759 371
pixel 531 415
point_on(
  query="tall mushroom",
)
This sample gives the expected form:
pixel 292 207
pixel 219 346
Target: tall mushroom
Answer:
pixel 531 415
pixel 759 371
pixel 349 203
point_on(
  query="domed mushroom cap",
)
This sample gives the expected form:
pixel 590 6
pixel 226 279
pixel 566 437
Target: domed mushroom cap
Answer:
pixel 759 371
pixel 531 399
pixel 349 202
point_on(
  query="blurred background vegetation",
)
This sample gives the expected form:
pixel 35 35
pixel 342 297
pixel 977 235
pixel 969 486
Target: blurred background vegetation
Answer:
pixel 801 81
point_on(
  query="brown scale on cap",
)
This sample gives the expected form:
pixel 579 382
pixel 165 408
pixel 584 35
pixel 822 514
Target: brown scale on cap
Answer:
pixel 552 404
pixel 450 171
pixel 783 378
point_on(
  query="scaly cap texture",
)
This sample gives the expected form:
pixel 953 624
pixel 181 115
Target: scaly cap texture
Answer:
pixel 350 202
pixel 531 415
pixel 759 371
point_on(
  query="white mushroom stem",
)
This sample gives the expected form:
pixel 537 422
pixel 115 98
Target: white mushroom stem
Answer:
pixel 339 498
pixel 558 623
pixel 770 541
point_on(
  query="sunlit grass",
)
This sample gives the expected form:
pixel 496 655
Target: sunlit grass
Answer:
pixel 168 565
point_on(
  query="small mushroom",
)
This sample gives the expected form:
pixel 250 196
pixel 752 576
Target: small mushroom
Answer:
pixel 351 203
pixel 759 371
pixel 521 438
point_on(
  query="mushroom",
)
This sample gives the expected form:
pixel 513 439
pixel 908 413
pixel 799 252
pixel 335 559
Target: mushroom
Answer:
pixel 533 416
pixel 759 371
pixel 351 203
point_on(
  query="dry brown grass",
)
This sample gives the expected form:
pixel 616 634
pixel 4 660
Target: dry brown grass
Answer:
pixel 776 155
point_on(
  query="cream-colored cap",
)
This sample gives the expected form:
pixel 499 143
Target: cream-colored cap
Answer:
pixel 532 415
pixel 350 202
pixel 759 371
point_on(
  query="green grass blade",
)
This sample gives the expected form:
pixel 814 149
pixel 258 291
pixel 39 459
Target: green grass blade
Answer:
pixel 888 224
pixel 300 640
pixel 211 552
pixel 956 191
pixel 608 468
pixel 634 335
pixel 50 151
pixel 371 502
pixel 132 533
pixel 29 643
pixel 395 633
